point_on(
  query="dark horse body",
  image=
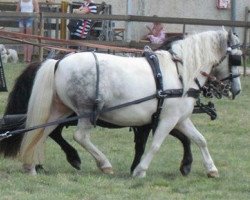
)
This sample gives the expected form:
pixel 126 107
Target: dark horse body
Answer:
pixel 18 102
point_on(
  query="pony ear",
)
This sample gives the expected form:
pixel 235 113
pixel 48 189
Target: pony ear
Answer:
pixel 223 28
pixel 230 34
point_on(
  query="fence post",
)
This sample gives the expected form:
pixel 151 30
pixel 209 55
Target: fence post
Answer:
pixel 64 7
pixel 41 34
pixel 3 85
pixel 245 41
pixel 129 23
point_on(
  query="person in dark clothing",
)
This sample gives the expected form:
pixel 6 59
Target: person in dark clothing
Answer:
pixel 83 28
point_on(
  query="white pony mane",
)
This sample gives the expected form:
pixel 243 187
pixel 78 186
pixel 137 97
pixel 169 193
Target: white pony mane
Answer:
pixel 199 51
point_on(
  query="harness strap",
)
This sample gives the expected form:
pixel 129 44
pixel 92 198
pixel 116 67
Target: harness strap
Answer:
pixel 96 107
pixel 234 60
pixel 56 65
pixel 176 60
pixel 154 64
pixel 171 94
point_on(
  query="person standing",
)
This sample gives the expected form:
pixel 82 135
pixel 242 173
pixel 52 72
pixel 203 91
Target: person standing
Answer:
pixel 25 24
pixel 83 28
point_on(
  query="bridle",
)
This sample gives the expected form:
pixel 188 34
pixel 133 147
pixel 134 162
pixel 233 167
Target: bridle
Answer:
pixel 218 88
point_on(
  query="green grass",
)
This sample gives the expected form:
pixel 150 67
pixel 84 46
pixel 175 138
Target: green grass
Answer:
pixel 228 139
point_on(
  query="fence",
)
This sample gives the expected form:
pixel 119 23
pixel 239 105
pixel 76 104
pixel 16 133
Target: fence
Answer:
pixel 246 39
pixel 61 18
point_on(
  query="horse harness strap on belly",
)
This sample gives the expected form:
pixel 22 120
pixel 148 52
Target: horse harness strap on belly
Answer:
pixel 96 110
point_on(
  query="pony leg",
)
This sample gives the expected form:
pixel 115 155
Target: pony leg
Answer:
pixel 34 153
pixel 187 160
pixel 188 128
pixel 140 138
pixel 163 129
pixel 33 150
pixel 82 136
pixel 71 153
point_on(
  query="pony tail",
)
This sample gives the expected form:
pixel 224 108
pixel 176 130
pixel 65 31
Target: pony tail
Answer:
pixel 32 148
pixel 17 104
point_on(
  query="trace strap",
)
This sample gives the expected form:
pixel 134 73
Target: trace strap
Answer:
pixel 166 93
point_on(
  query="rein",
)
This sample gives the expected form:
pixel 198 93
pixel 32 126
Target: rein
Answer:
pixel 166 93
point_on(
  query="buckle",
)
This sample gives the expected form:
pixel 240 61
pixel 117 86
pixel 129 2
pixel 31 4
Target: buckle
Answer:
pixel 161 94
pixel 5 135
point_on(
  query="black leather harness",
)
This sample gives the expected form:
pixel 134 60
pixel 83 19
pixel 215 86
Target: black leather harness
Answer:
pixel 161 94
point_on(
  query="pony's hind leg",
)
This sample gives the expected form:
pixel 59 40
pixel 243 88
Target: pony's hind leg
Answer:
pixel 71 153
pixel 82 136
pixel 141 134
pixel 33 145
pixel 187 160
pixel 189 129
pixel 34 153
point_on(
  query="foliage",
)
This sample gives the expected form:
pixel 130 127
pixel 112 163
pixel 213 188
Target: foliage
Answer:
pixel 228 140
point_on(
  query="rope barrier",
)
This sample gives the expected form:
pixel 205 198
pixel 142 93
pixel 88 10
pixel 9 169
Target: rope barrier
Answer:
pixel 61 42
pixel 49 47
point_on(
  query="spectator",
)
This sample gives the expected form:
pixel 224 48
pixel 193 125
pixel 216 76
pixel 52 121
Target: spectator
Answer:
pixel 84 27
pixel 156 34
pixel 50 1
pixel 25 24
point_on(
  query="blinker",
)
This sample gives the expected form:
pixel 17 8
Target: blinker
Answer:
pixel 234 60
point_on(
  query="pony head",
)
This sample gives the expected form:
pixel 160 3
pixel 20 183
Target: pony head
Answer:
pixel 203 51
pixel 228 71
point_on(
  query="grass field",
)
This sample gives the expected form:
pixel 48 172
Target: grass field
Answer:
pixel 228 139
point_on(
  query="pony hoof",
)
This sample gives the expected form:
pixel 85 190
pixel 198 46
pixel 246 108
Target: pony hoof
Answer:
pixel 29 170
pixel 39 168
pixel 107 170
pixel 185 169
pixel 139 174
pixel 74 160
pixel 213 174
pixel 76 164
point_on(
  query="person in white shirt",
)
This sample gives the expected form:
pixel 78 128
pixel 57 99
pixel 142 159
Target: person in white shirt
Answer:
pixel 25 24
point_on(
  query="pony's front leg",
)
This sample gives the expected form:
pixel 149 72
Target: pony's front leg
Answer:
pixel 82 136
pixel 188 128
pixel 163 129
